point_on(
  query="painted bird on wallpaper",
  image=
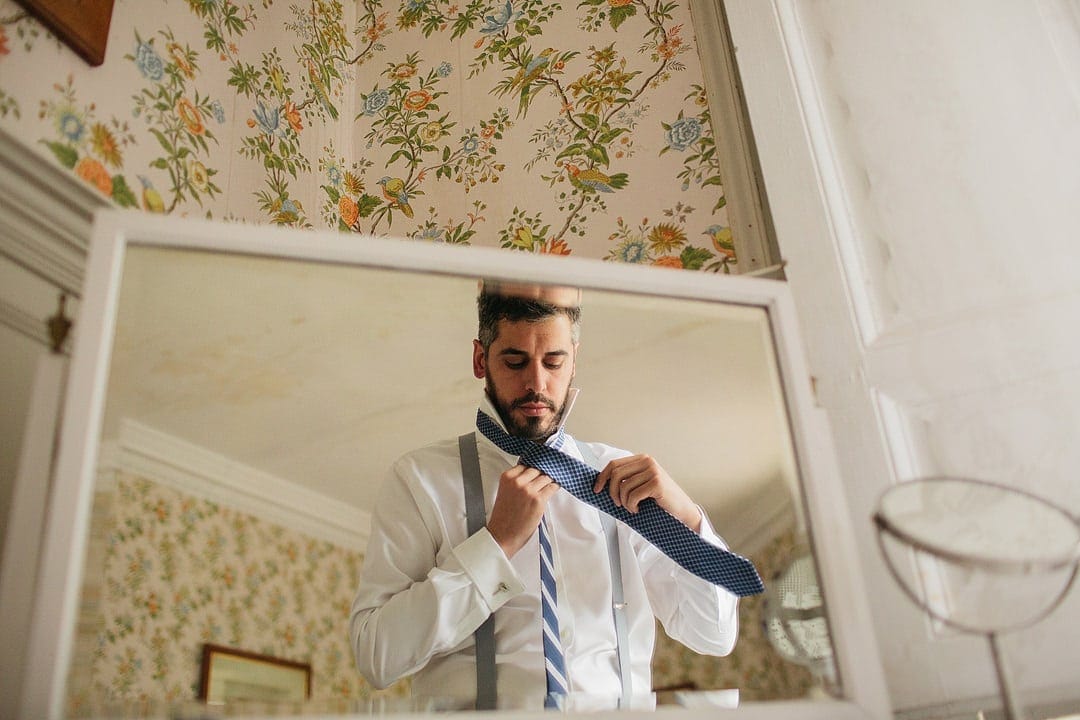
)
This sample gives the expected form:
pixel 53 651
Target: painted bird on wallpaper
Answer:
pixel 592 179
pixel 722 239
pixel 525 77
pixel 320 82
pixel 394 190
pixel 151 198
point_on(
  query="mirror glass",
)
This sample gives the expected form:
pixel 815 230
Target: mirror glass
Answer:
pixel 254 404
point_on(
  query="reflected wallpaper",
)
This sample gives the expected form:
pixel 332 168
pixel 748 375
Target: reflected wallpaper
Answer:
pixel 546 127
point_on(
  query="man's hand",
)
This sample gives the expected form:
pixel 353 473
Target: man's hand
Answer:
pixel 630 480
pixel 519 505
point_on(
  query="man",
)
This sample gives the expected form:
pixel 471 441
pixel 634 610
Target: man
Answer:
pixel 428 584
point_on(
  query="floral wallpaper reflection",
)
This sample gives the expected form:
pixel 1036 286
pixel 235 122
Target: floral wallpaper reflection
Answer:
pixel 534 126
pixel 168 572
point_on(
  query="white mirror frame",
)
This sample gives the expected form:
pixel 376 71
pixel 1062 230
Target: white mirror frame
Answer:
pixel 65 533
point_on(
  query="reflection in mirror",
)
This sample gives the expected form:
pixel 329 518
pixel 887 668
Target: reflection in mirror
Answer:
pixel 255 404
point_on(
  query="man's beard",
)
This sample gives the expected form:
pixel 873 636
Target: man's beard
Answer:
pixel 533 428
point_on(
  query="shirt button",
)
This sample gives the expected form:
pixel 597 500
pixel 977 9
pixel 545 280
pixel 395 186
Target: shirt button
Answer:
pixel 502 588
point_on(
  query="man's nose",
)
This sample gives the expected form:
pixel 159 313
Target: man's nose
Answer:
pixel 536 378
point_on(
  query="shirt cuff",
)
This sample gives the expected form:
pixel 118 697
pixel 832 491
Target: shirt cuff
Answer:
pixel 488 567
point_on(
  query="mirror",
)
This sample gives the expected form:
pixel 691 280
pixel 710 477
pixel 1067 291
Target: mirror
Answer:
pixel 238 394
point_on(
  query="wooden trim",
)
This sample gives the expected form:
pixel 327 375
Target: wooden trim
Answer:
pixel 210 652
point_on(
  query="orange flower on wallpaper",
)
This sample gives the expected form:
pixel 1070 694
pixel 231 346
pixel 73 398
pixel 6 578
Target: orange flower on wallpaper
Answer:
pixel 4 49
pixel 403 71
pixel 417 100
pixel 292 114
pixel 670 47
pixel 619 3
pixel 669 261
pixel 350 213
pixel 191 116
pixel 94 173
pixel 180 58
pixel 555 247
pixel 377 28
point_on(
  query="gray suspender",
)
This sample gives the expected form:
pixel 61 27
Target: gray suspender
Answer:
pixel 476 518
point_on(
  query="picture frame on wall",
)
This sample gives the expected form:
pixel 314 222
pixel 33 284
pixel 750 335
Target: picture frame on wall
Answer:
pixel 83 25
pixel 232 675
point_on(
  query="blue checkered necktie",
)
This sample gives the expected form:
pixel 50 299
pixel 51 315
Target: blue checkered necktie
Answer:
pixel 680 543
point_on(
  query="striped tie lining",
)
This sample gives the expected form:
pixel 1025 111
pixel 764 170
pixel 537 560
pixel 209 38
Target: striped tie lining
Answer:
pixel 709 562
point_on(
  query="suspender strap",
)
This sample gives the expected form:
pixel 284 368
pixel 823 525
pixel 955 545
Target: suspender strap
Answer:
pixel 618 604
pixel 475 519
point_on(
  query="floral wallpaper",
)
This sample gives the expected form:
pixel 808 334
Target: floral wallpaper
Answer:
pixel 536 126
pixel 169 572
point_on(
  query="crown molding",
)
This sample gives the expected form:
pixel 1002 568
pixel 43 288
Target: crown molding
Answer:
pixel 46 215
pixel 194 470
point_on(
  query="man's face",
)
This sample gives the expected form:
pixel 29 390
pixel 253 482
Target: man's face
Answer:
pixel 528 371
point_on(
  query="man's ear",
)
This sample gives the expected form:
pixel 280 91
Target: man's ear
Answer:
pixel 479 362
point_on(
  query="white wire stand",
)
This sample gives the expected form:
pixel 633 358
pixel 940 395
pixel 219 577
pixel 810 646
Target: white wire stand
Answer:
pixel 979 557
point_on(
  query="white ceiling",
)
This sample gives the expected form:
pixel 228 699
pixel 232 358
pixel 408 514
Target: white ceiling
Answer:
pixel 321 375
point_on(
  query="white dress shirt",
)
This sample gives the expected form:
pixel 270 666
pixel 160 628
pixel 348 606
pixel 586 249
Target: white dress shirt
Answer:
pixel 426 587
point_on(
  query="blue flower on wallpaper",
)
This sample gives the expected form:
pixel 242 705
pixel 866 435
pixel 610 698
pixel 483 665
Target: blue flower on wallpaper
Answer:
pixel 684 132
pixel 218 110
pixel 269 119
pixel 376 101
pixel 444 70
pixel 70 124
pixel 632 250
pixel 415 5
pixel 431 234
pixel 288 206
pixel 334 174
pixel 497 21
pixel 149 62
pixel 471 144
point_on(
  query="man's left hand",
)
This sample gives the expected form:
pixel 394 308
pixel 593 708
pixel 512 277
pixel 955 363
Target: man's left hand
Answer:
pixel 630 480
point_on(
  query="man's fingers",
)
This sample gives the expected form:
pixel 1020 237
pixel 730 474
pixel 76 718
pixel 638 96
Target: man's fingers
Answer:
pixel 602 479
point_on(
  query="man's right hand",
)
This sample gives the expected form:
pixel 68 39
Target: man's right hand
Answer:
pixel 519 505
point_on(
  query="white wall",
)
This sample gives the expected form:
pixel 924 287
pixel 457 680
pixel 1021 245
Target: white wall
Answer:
pixel 922 161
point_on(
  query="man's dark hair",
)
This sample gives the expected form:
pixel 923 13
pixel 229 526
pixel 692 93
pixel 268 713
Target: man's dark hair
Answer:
pixel 493 307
